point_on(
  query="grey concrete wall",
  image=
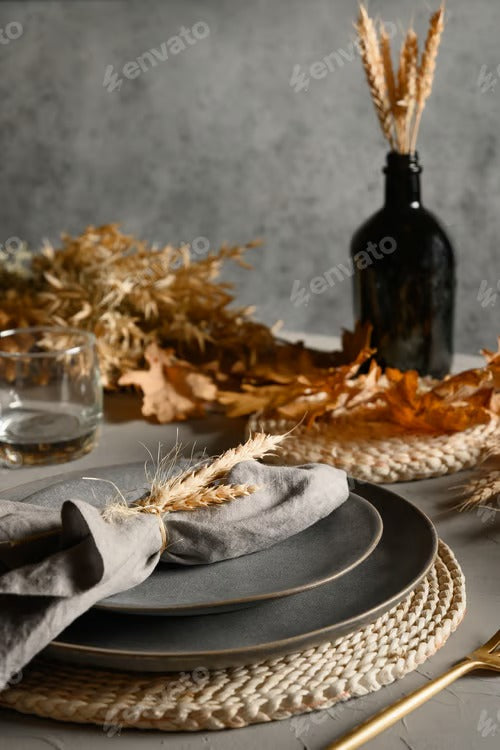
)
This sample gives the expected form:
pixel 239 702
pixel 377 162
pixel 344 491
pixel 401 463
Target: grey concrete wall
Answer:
pixel 215 141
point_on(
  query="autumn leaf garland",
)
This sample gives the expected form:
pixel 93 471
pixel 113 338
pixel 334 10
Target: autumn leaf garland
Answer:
pixel 346 396
pixel 341 395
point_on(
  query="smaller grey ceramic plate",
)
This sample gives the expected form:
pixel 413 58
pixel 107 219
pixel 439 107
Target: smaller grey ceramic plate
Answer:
pixel 321 553
pixel 330 548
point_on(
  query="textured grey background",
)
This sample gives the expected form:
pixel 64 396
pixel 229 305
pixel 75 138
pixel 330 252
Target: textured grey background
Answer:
pixel 216 142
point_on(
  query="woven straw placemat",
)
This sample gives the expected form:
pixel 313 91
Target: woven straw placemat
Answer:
pixel 356 664
pixel 382 454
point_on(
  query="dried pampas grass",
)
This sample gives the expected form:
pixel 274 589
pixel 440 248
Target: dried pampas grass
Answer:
pixel 399 99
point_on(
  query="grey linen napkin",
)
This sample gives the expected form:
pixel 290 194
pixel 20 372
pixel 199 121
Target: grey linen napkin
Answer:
pixel 74 558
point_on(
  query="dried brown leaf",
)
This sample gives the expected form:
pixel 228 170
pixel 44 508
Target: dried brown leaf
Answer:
pixel 173 390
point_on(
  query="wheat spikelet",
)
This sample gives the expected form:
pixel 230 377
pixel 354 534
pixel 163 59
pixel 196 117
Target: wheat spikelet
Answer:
pixel 399 110
pixel 401 87
pixel 385 49
pixel 406 89
pixel 373 65
pixel 411 58
pixel 482 492
pixel 188 484
pixel 223 493
pixel 427 67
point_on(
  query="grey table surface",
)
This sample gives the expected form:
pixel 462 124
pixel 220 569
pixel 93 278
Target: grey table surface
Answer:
pixel 463 717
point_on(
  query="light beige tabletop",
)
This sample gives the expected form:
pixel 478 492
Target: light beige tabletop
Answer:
pixel 464 717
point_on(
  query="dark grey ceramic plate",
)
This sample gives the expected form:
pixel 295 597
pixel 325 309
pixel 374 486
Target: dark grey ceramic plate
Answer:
pixel 103 639
pixel 317 555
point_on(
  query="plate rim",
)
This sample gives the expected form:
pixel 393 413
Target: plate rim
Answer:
pixel 179 610
pixel 56 647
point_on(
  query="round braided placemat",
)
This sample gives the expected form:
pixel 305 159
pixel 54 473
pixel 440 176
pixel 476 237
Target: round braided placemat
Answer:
pixel 382 454
pixel 356 664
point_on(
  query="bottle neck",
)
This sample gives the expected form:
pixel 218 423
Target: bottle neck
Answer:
pixel 402 182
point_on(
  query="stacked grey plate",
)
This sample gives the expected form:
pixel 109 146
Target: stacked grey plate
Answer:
pixel 330 579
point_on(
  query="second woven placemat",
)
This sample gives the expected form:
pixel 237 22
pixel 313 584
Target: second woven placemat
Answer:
pixel 384 456
pixel 318 678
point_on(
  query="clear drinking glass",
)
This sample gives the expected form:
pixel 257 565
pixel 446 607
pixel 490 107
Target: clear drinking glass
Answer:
pixel 50 395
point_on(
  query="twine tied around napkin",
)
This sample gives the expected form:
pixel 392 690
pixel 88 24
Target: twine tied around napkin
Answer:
pixel 58 561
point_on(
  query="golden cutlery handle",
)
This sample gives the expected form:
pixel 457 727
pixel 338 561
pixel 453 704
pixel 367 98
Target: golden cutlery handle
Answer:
pixel 389 716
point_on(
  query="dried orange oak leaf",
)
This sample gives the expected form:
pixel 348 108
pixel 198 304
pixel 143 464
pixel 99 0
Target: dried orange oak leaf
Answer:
pixel 173 389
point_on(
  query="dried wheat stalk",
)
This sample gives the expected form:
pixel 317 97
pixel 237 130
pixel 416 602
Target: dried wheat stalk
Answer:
pixel 373 64
pixel 484 491
pixel 385 49
pixel 405 90
pixel 408 96
pixel 399 100
pixel 426 69
pixel 399 108
pixel 198 486
pixel 174 492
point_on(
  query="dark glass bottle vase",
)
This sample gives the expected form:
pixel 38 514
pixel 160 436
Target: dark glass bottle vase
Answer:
pixel 404 276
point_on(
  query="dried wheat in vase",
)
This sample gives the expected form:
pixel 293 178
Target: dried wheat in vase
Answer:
pixel 408 292
pixel 399 95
